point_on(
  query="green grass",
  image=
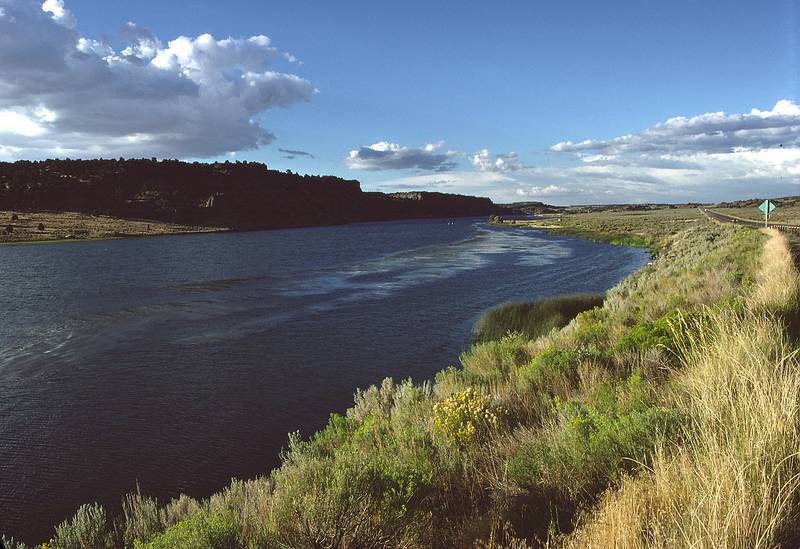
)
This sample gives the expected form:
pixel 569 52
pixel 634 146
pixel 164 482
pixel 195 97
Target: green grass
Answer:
pixel 199 531
pixel 533 319
pixel 569 421
pixel 648 229
pixel 594 440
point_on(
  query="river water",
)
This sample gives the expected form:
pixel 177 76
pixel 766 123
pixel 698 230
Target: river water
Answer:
pixel 179 362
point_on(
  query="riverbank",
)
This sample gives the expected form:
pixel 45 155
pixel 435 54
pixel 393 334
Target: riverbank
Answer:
pixel 50 227
pixel 644 228
pixel 634 424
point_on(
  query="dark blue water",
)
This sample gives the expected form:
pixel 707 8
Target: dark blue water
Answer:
pixel 179 362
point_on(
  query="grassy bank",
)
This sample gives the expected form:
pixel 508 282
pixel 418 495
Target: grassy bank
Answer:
pixel 645 228
pixel 666 416
pixel 51 227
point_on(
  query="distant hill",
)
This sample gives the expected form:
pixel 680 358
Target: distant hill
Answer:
pixel 538 208
pixel 242 195
pixel 534 208
pixel 754 202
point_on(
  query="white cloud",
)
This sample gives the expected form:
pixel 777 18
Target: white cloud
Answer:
pixel 16 123
pixel 709 157
pixel 143 44
pixel 291 58
pixel 391 156
pixel 194 97
pixel 548 190
pixel 59 13
pixel 486 162
pixel 715 132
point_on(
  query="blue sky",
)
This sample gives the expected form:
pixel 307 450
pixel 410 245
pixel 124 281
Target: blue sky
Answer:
pixel 490 89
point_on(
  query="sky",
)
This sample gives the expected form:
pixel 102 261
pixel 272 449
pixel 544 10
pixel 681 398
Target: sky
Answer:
pixel 559 102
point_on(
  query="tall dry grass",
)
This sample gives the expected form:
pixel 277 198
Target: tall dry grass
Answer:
pixel 733 482
pixel 777 283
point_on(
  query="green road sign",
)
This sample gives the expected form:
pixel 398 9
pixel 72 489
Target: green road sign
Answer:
pixel 767 207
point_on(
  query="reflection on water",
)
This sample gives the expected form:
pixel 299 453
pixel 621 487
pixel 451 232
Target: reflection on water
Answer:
pixel 179 362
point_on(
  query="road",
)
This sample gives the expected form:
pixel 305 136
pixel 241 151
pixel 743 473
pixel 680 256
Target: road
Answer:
pixel 730 219
pixel 722 218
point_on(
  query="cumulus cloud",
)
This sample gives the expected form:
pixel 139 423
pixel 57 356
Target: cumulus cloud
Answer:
pixel 391 156
pixel 59 13
pixel 291 58
pixel 715 132
pixel 64 94
pixel 486 162
pixel 547 190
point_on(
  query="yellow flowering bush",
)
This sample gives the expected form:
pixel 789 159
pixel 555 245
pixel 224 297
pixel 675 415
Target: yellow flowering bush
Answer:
pixel 465 416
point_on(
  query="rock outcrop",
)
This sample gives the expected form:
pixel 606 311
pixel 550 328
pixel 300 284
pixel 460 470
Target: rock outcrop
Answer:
pixel 241 195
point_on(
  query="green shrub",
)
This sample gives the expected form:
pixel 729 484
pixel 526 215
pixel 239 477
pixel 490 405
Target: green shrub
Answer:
pixel 178 509
pixel 590 327
pixel 248 501
pixel 532 319
pixel 614 430
pixel 141 518
pixel 360 481
pixel 667 332
pixel 643 336
pixel 550 370
pixel 495 359
pixel 88 529
pixel 11 543
pixel 354 497
pixel 200 531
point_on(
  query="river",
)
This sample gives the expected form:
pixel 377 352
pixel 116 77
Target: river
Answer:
pixel 179 362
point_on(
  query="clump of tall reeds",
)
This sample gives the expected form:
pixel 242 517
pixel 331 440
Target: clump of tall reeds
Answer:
pixel 535 318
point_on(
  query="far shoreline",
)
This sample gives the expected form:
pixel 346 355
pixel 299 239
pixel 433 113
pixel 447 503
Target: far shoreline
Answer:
pixel 71 227
pixel 43 227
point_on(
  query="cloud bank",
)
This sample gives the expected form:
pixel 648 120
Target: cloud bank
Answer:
pixel 67 95
pixel 708 133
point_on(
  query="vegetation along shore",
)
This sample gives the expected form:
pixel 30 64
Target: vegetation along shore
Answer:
pixel 664 416
pixel 29 227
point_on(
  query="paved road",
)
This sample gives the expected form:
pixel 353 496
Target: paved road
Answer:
pixel 730 219
pixel 748 222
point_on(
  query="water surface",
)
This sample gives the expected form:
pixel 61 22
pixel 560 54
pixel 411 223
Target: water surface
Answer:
pixel 178 362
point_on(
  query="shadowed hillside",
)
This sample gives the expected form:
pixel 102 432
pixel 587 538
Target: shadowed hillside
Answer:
pixel 242 195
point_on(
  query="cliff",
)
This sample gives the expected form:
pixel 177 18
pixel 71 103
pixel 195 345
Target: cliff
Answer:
pixel 242 195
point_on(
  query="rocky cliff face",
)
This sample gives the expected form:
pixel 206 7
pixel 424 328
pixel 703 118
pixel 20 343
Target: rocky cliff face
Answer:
pixel 242 195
